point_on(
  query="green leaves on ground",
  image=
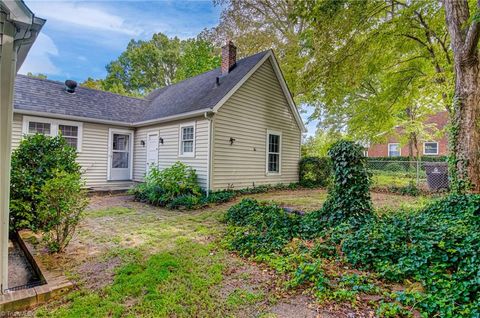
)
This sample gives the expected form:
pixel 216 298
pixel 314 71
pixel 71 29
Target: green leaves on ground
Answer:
pixel 437 247
pixel 259 228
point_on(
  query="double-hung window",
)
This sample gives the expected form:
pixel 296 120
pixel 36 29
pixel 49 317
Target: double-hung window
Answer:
pixel 71 131
pixel 430 148
pixel 394 150
pixel 274 148
pixel 187 140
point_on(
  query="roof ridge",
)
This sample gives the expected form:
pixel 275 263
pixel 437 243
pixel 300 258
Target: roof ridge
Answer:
pixel 212 70
pixel 82 87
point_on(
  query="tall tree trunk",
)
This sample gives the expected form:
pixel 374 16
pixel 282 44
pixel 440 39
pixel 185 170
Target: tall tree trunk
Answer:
pixel 466 118
pixel 467 121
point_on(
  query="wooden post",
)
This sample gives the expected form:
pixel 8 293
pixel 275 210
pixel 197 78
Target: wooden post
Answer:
pixel 7 78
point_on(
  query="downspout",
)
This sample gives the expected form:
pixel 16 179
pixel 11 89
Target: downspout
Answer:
pixel 209 117
pixel 8 70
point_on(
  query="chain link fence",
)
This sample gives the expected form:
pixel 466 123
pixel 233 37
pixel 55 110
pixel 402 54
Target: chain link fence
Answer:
pixel 422 175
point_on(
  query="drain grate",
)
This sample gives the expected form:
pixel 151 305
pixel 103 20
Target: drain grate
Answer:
pixel 26 286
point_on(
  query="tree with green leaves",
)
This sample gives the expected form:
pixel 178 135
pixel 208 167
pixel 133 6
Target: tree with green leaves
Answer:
pixel 38 75
pixel 162 61
pixel 375 64
pixel 197 56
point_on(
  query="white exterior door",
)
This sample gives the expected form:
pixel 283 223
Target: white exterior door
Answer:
pixel 120 154
pixel 152 151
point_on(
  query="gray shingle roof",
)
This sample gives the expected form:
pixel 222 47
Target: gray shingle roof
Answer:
pixel 47 96
pixel 196 93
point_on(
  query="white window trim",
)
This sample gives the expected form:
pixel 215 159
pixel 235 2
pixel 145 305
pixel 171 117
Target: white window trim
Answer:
pixel 279 133
pixel 430 142
pixel 54 123
pixel 399 149
pixel 180 150
pixel 112 131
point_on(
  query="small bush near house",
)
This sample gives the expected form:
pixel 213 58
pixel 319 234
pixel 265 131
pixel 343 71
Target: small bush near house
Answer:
pixel 173 187
pixel 315 171
pixel 61 203
pixel 37 159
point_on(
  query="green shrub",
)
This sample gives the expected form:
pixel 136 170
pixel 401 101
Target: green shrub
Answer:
pixel 187 201
pixel 220 196
pixel 34 162
pixel 256 228
pixel 402 158
pixel 179 179
pixel 60 206
pixel 315 171
pixel 170 187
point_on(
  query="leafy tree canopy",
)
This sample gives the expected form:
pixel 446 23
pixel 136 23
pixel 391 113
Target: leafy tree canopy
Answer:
pixel 38 75
pixel 161 61
pixel 375 64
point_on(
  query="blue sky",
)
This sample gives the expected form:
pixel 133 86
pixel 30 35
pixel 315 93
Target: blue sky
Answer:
pixel 81 37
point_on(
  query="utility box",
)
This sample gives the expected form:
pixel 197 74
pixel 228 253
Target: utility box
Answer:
pixel 437 175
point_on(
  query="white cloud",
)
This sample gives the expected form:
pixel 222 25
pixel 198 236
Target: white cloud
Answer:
pixel 39 57
pixel 83 15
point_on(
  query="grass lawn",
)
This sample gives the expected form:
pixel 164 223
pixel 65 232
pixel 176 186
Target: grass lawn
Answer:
pixel 130 259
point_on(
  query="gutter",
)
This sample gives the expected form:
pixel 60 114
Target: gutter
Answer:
pixel 113 122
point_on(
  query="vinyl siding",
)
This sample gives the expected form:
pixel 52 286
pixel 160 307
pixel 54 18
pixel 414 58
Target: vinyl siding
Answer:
pixel 259 105
pixel 168 152
pixel 94 155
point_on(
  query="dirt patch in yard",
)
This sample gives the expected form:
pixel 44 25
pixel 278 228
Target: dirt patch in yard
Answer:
pixel 96 274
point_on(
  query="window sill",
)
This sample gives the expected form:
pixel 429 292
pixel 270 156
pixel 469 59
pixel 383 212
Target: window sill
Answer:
pixel 273 174
pixel 187 156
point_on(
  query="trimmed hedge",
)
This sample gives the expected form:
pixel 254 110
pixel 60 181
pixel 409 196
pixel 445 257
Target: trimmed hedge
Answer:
pixel 422 158
pixel 315 171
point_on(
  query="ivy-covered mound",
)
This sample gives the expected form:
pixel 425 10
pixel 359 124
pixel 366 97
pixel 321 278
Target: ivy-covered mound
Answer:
pixel 349 197
pixel 433 251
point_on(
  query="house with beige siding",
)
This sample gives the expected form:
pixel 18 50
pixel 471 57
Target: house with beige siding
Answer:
pixel 236 125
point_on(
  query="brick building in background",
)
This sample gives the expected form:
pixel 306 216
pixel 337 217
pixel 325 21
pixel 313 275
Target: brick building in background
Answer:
pixel 393 148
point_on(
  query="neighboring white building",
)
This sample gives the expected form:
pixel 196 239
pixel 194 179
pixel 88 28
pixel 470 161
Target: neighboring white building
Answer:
pixel 236 125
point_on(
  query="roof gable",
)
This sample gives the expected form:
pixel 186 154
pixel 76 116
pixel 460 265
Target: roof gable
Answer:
pixel 281 80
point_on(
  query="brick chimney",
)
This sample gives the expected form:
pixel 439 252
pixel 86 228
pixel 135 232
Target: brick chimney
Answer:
pixel 229 57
